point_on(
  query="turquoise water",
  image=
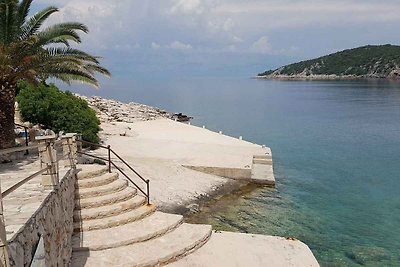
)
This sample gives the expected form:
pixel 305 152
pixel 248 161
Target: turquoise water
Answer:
pixel 336 158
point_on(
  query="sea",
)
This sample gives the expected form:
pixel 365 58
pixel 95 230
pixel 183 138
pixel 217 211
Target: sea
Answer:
pixel 336 153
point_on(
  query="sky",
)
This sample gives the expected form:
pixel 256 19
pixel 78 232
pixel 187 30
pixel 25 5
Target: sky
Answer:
pixel 223 38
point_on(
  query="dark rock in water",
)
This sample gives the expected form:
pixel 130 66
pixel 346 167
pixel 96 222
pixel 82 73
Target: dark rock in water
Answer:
pixel 181 117
pixel 193 208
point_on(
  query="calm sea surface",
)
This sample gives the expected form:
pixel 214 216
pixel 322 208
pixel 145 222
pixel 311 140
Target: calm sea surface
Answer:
pixel 336 151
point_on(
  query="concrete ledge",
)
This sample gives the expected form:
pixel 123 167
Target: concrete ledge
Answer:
pixel 232 173
pixel 262 161
pixel 236 174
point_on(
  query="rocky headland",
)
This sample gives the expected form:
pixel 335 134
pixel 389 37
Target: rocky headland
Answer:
pixel 367 62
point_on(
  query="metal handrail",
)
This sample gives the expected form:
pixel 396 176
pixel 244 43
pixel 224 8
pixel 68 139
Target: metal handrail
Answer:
pixel 19 149
pixel 119 157
pixel 22 182
pixel 111 163
pixel 93 156
pixel 127 177
pixel 92 144
pixel 26 135
pixel 27 179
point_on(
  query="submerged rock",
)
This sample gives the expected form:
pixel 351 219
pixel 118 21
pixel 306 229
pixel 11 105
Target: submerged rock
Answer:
pixel 368 255
pixel 193 208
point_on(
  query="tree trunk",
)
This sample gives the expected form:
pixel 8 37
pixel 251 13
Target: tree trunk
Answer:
pixel 7 110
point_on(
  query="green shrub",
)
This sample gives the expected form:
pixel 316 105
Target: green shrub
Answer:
pixel 57 110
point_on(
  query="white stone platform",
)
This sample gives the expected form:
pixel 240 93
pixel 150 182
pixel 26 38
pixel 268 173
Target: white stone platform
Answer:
pixel 184 161
pixel 239 250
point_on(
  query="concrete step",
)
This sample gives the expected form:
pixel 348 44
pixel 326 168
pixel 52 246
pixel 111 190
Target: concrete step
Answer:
pixel 262 161
pixel 110 188
pixel 90 170
pixel 109 210
pixel 154 252
pixel 103 179
pixel 113 221
pixel 109 199
pixel 147 228
pixel 263 174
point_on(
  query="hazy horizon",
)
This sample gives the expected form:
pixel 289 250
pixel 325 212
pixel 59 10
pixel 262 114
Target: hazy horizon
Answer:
pixel 221 38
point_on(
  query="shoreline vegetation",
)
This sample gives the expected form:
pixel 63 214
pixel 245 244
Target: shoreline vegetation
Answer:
pixel 366 62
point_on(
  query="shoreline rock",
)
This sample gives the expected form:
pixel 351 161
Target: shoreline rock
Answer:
pixel 108 110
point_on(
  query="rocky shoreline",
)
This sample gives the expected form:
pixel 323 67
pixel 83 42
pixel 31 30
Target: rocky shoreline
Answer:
pixel 323 77
pixel 108 110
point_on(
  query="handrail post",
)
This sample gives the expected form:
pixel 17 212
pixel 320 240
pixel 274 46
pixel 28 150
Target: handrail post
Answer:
pixel 109 158
pixel 148 192
pixel 69 148
pixel 26 140
pixel 48 157
pixel 78 138
pixel 4 260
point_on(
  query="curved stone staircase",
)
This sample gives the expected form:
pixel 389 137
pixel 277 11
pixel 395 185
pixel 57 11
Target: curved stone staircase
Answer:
pixel 114 226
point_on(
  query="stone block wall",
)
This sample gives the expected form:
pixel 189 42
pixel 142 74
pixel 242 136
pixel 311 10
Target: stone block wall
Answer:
pixel 54 222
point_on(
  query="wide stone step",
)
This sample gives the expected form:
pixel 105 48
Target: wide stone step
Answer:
pixel 103 179
pixel 109 210
pixel 263 174
pixel 90 170
pixel 151 226
pixel 262 161
pixel 154 252
pixel 109 199
pixel 120 219
pixel 110 188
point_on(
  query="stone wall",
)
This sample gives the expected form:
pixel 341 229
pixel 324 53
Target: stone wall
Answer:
pixel 54 221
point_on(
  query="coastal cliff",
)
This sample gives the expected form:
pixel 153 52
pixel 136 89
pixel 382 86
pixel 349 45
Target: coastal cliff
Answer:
pixel 370 62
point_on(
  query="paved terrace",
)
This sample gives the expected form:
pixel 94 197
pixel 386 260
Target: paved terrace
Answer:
pixel 20 205
pixel 184 161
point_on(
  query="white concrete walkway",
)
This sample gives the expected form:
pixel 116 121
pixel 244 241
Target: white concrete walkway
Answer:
pixel 160 150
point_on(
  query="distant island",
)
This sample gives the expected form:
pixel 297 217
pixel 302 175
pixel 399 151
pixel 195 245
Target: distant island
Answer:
pixel 371 61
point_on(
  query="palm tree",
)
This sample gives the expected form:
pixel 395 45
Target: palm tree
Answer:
pixel 33 53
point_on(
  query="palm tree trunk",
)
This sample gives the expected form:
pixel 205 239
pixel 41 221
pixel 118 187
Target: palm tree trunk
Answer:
pixel 7 110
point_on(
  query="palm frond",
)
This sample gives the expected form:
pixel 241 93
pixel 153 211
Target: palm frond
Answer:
pixel 23 11
pixel 53 56
pixel 69 78
pixel 29 52
pixel 62 32
pixel 71 73
pixel 32 25
pixel 68 52
pixel 7 16
pixel 94 68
